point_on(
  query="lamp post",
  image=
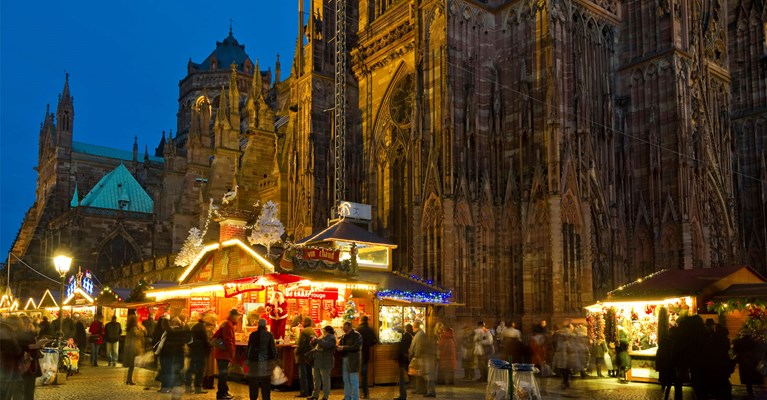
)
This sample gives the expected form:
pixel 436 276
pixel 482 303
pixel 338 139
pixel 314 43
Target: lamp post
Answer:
pixel 62 261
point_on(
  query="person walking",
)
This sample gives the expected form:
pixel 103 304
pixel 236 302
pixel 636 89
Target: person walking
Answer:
pixel 112 333
pixel 447 355
pixel 538 349
pixel 45 327
pixel 423 351
pixel 469 359
pixel 666 364
pixel 171 354
pixel 30 360
pixel 224 354
pixel 403 359
pixel 199 350
pixel 483 349
pixel 598 351
pixel 747 357
pixel 303 346
pixel 80 336
pixel 565 353
pixel 96 338
pixel 369 340
pixel 324 351
pixel 134 346
pixel 209 378
pixel 349 347
pixel 261 357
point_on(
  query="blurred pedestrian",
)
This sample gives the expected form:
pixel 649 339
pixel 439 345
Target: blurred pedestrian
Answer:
pixel 11 352
pixel 30 360
pixel 721 366
pixel 403 359
pixel 45 327
pixel 538 348
pixel 324 351
pixel 582 349
pixel 261 355
pixel 112 333
pixel 422 350
pixel 134 346
pixel 622 355
pixel 350 346
pixel 224 354
pixel 303 346
pixel 96 338
pixel 209 379
pixel 81 337
pixel 171 352
pixel 199 351
pixel 469 360
pixel 483 349
pixel 566 357
pixel 369 340
pixel 447 357
pixel 598 351
pixel 666 364
pixel 747 356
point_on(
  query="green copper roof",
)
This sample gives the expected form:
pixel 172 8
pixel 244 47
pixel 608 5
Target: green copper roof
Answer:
pixel 75 198
pixel 103 151
pixel 119 190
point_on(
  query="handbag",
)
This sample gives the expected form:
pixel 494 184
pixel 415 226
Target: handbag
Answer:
pixel 762 367
pixel 278 376
pixel 608 362
pixel 309 356
pixel 546 370
pixel 158 346
pixel 218 343
pixel 412 368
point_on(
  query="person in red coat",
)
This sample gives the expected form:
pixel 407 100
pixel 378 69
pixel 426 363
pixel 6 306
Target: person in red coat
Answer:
pixel 223 352
pixel 278 314
pixel 96 339
pixel 447 353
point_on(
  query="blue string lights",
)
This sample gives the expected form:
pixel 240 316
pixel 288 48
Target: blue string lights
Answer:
pixel 416 297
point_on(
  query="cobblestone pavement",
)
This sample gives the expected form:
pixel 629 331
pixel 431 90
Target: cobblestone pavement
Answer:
pixel 107 383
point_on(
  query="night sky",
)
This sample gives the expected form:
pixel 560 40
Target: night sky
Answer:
pixel 125 59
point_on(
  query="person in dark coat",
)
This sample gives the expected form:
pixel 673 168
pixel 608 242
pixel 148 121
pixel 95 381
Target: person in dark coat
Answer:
pixel 261 355
pixel 666 364
pixel 112 332
pixel 199 351
pixel 80 336
pixel 303 346
pixel 369 339
pixel 171 354
pixel 598 351
pixel 350 346
pixel 423 350
pixel 45 328
pixel 721 366
pixel 403 359
pixel 747 357
pixel 622 354
pixel 325 349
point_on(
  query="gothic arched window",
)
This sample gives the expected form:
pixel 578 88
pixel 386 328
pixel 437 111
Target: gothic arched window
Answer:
pixel 115 253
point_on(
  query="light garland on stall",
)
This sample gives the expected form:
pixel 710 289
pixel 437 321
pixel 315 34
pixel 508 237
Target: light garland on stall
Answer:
pixel 415 297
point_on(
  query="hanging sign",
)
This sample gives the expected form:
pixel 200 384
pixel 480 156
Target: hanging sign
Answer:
pixel 307 293
pixel 321 254
pixel 199 304
pixel 236 287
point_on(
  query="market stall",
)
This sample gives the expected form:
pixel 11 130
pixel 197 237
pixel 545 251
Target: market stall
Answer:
pixel 638 311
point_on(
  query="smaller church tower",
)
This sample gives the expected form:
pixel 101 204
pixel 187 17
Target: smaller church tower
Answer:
pixel 65 116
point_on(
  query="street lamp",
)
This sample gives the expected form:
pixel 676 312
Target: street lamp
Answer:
pixel 62 260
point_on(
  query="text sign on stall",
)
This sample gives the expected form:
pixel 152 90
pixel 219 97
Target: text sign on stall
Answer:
pixel 306 293
pixel 321 254
pixel 199 304
pixel 247 285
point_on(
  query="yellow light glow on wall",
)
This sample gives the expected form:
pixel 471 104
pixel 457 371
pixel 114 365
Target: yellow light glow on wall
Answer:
pixel 163 294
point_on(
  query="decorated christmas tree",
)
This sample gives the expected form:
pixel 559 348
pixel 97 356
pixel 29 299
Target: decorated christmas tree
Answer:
pixel 190 248
pixel 268 229
pixel 350 311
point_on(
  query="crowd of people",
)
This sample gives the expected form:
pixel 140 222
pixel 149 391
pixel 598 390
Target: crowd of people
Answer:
pixel 193 353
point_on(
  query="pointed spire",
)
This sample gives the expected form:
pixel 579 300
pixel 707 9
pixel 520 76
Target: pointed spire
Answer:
pixel 257 87
pixel 158 152
pixel 65 93
pixel 221 111
pixel 276 70
pixel 146 153
pixel 135 148
pixel 75 198
pixel 231 20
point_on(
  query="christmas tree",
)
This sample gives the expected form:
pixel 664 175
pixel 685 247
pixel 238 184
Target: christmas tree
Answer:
pixel 190 248
pixel 268 229
pixel 350 312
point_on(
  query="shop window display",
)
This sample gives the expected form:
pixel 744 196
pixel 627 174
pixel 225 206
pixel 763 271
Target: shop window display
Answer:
pixel 393 320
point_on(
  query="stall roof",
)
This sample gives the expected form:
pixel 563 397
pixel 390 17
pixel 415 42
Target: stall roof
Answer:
pixel 743 291
pixel 684 282
pixel 344 231
pixel 404 288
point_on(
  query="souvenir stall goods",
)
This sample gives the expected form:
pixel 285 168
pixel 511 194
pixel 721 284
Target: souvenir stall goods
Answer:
pixel 641 311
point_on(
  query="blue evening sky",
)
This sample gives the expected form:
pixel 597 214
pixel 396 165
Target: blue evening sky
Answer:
pixel 125 59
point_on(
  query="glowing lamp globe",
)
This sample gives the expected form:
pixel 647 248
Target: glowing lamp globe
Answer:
pixel 62 261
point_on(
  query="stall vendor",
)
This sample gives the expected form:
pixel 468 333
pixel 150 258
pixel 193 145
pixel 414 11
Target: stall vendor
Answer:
pixel 278 314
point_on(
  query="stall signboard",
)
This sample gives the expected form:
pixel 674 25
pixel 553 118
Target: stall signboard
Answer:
pixel 234 288
pixel 307 293
pixel 314 253
pixel 199 304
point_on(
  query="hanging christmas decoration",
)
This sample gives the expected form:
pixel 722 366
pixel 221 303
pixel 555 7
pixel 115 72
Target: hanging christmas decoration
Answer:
pixel 268 229
pixel 350 310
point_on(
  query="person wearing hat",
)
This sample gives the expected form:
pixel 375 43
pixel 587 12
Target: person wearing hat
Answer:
pixel 223 352
pixel 324 351
pixel 261 356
